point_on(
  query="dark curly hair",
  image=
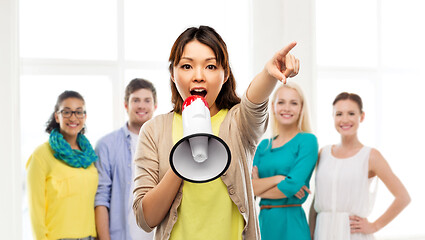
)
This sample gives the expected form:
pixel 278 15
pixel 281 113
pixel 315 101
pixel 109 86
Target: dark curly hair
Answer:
pixel 51 123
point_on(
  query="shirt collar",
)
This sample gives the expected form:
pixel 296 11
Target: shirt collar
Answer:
pixel 126 130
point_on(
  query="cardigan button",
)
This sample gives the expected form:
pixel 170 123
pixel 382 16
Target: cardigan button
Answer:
pixel 231 191
pixel 242 209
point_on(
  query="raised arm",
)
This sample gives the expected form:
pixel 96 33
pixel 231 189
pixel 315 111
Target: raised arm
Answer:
pixel 281 66
pixel 379 166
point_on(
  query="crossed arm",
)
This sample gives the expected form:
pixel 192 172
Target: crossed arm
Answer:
pixel 267 187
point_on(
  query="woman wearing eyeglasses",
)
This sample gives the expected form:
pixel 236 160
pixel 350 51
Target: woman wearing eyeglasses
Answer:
pixel 62 180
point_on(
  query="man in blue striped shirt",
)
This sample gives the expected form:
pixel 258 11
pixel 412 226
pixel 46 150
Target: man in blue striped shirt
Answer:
pixel 114 198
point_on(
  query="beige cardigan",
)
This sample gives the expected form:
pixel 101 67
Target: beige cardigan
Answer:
pixel 241 129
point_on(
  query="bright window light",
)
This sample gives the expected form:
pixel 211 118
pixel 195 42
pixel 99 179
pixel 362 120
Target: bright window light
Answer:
pixel 75 29
pixel 347 33
pixel 375 48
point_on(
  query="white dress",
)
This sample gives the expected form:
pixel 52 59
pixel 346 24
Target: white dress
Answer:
pixel 342 189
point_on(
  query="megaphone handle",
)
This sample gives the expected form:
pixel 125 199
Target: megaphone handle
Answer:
pixel 199 148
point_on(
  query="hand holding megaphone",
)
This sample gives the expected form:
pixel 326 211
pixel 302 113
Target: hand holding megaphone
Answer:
pixel 199 156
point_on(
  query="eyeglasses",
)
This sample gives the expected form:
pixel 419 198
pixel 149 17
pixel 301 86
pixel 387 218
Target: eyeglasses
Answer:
pixel 67 113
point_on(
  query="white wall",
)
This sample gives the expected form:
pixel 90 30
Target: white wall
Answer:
pixel 10 175
pixel 286 21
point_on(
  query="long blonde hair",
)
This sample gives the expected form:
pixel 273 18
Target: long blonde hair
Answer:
pixel 303 122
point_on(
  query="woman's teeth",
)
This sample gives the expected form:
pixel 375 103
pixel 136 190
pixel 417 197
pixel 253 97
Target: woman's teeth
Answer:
pixel 198 92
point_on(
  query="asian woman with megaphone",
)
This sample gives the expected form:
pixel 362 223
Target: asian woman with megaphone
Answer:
pixel 223 208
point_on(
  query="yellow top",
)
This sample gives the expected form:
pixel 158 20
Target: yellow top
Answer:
pixel 60 197
pixel 206 210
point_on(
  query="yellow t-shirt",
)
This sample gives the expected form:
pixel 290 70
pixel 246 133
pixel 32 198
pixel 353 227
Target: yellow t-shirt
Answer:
pixel 61 198
pixel 206 210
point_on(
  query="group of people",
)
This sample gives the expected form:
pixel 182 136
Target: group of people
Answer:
pixel 346 174
pixel 77 192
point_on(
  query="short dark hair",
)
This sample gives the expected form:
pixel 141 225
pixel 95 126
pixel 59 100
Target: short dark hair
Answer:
pixel 227 97
pixel 51 123
pixel 139 83
pixel 349 96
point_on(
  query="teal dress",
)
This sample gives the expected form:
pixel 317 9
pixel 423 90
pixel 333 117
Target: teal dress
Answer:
pixel 295 160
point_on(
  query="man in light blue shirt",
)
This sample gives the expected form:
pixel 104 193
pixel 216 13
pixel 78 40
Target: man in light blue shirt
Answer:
pixel 114 198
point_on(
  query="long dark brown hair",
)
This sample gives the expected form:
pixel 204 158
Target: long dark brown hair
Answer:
pixel 227 97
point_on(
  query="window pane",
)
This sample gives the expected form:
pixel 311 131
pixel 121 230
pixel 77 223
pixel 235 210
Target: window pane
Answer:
pixel 76 29
pixel 402 37
pixel 158 38
pixel 402 146
pixel 238 39
pixel 153 42
pixel 346 33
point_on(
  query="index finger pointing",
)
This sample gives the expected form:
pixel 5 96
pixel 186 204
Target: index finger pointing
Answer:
pixel 286 49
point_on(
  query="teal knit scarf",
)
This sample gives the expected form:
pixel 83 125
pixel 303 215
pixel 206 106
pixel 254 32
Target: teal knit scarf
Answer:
pixel 72 157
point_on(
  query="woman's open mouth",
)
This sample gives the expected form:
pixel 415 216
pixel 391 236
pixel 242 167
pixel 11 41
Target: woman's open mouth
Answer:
pixel 199 92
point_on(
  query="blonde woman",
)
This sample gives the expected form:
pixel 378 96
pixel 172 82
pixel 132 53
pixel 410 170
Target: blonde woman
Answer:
pixel 283 166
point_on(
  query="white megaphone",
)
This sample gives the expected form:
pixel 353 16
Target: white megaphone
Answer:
pixel 199 156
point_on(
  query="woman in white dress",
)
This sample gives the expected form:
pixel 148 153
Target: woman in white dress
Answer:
pixel 346 181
